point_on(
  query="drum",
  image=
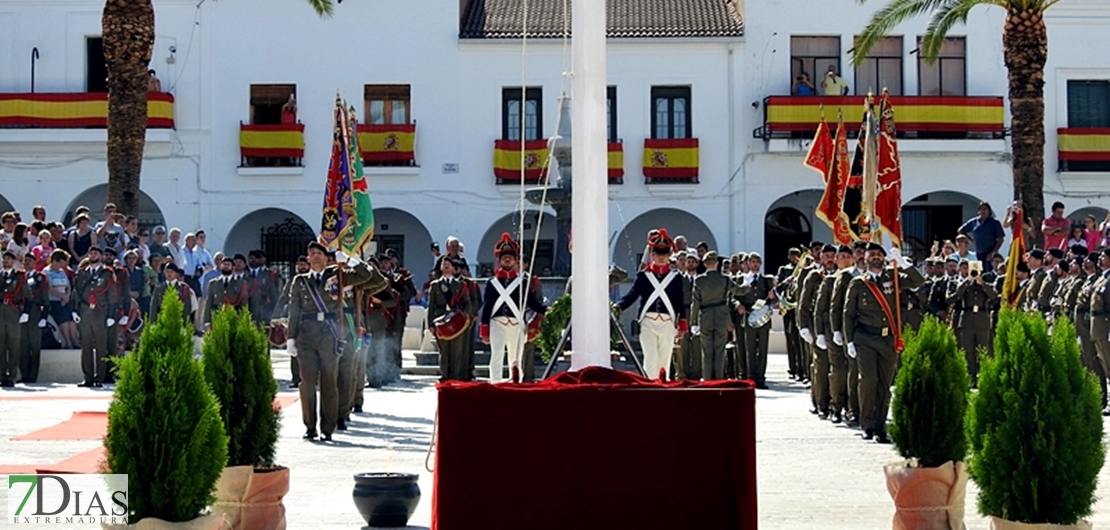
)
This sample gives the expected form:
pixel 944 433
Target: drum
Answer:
pixel 534 320
pixel 451 325
pixel 760 314
pixel 277 334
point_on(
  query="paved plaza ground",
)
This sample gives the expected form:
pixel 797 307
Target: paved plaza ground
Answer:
pixel 811 474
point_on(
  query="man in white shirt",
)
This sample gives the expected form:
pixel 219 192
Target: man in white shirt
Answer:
pixel 175 248
pixel 197 262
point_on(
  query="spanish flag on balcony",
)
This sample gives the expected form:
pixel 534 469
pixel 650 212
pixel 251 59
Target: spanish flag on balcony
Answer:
pixel 508 159
pixel 953 114
pixel 616 160
pixel 672 158
pixel 77 110
pixel 278 141
pixel 387 143
pixel 1084 144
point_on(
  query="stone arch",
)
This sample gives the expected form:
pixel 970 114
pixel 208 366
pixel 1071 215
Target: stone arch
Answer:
pixel 790 221
pixel 545 253
pixel 936 215
pixel 397 229
pixel 628 247
pixel 150 214
pixel 6 205
pixel 1077 216
pixel 282 234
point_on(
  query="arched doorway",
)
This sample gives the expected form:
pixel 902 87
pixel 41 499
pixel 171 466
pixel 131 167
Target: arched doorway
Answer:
pixel 482 257
pixel 1078 216
pixel 401 231
pixel 281 234
pixel 789 222
pixel 628 249
pixel 150 215
pixel 935 216
pixel 6 205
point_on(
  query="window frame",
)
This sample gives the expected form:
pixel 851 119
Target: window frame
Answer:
pixel 532 93
pixel 815 76
pixel 921 65
pixel 387 94
pixel 611 102
pixel 89 71
pixel 878 88
pixel 672 93
pixel 286 88
pixel 1068 96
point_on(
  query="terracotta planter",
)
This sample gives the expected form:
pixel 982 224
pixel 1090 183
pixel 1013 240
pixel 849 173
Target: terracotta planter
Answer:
pixel 997 523
pixel 212 521
pixel 251 499
pixel 927 498
pixel 386 499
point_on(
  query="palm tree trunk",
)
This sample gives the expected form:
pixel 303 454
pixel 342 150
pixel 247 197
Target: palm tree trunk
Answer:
pixel 128 33
pixel 1025 48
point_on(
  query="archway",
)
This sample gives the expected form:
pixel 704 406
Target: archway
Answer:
pixel 150 215
pixel 281 234
pixel 6 205
pixel 403 232
pixel 628 249
pixel 1078 216
pixel 789 222
pixel 935 216
pixel 482 257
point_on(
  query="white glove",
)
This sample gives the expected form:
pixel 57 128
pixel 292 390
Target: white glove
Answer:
pixel 123 320
pixel 821 342
pixel 111 322
pixel 852 350
pixel 896 256
pixel 838 338
pixel 695 330
pixel 291 347
pixel 76 319
pixel 42 322
pixel 806 335
pixel 23 318
pixel 351 261
pixel 340 256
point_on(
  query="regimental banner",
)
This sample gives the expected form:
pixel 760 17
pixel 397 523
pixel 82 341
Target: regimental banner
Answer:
pixel 1011 287
pixel 616 160
pixel 77 110
pixel 1083 144
pixel 284 141
pixel 837 173
pixel 387 143
pixel 508 159
pixel 888 203
pixel 673 158
pixel 951 114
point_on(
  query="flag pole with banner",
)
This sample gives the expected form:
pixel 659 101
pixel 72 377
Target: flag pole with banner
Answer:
pixel 1010 286
pixel 837 174
pixel 888 202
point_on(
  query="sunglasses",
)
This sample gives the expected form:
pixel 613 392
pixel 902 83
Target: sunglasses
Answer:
pixel 144 234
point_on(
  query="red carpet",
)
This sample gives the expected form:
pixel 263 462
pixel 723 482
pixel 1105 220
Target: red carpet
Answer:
pixel 87 462
pixel 81 426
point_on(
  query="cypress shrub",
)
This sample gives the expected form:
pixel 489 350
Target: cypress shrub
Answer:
pixel 236 356
pixel 1035 426
pixel 164 428
pixel 930 397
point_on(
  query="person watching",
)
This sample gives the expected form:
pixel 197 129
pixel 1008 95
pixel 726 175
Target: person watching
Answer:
pixel 833 84
pixel 803 86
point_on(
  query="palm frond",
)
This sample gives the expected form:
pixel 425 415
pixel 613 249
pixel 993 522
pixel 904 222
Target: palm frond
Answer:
pixel 946 16
pixel 885 20
pixel 324 8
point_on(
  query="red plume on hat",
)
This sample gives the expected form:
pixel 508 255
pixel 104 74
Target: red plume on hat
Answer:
pixel 659 240
pixel 506 246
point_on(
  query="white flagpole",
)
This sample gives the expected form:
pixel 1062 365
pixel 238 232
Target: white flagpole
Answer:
pixel 590 210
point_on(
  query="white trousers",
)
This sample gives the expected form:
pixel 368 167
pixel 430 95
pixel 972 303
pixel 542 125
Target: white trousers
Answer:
pixel 504 334
pixel 657 334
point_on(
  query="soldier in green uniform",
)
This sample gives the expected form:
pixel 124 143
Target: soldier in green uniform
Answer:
pixel 227 289
pixel 1047 289
pixel 733 355
pixel 833 337
pixel 756 307
pixel 93 288
pixel 264 286
pixel 449 297
pixel 822 330
pixel 175 281
pixel 870 333
pixel 314 335
pixel 118 309
pixel 1082 318
pixel 14 292
pixel 807 323
pixel 36 307
pixel 685 354
pixel 710 315
pixel 1100 314
pixel 785 285
pixel 1037 275
pixel 281 310
pixel 972 299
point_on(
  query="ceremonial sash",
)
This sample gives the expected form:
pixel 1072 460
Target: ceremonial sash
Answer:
pixel 898 346
pixel 330 322
pixel 94 294
pixel 242 293
pixel 9 297
pixel 659 291
pixel 505 297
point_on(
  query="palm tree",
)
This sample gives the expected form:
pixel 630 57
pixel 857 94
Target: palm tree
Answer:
pixel 1024 48
pixel 128 33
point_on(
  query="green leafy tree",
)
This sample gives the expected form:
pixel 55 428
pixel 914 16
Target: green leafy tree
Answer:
pixel 930 397
pixel 164 428
pixel 1024 50
pixel 1035 426
pixel 237 367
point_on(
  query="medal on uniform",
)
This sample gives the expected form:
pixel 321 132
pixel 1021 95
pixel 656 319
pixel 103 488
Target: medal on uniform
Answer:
pixel 886 331
pixel 974 309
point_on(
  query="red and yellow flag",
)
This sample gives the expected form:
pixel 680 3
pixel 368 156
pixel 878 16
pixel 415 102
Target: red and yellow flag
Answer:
pixel 831 208
pixel 616 160
pixel 85 109
pixel 888 202
pixel 508 159
pixel 671 158
pixel 820 151
pixel 285 141
pixel 1083 144
pixel 1010 286
pixel 387 143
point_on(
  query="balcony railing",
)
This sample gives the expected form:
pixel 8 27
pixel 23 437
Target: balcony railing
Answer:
pixel 934 117
pixel 387 145
pixel 79 110
pixel 271 145
pixel 671 161
pixel 507 161
pixel 1083 149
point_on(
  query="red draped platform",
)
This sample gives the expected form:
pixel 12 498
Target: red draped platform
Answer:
pixel 595 449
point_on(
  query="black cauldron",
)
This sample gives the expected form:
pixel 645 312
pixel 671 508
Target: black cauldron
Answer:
pixel 386 499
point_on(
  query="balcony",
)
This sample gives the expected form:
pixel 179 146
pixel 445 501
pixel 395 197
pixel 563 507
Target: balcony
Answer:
pixel 1084 150
pixel 671 161
pixel 507 161
pixel 80 110
pixel 271 149
pixel 387 145
pixel 925 117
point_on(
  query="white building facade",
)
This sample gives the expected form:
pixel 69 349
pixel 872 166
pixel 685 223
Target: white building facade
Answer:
pixel 454 73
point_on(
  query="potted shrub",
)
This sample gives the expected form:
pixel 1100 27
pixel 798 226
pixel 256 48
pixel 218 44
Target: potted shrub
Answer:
pixel 164 428
pixel 236 356
pixel 1035 428
pixel 928 407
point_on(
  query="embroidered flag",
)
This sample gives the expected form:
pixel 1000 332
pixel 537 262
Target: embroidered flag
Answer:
pixel 888 202
pixel 831 208
pixel 1010 286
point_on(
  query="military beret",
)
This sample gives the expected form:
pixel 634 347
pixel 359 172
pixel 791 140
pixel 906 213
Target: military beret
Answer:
pixel 1106 252
pixel 318 246
pixel 1056 253
pixel 391 253
pixel 10 254
pixel 94 249
pixel 1079 250
pixel 1023 267
pixel 1036 253
pixel 302 259
pixel 110 251
pixel 459 263
pixel 383 256
pixel 828 248
pixel 740 256
pixel 171 266
pixel 755 256
pixel 1093 257
pixel 859 245
pixel 876 247
pixel 257 253
pixel 794 251
pixel 709 256
pixel 816 244
pixel 227 259
pixel 844 249
pixel 239 257
pixel 953 258
pixel 694 255
pixel 1077 261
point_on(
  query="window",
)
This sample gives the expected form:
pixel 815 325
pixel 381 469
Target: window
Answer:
pixel 882 68
pixel 1088 103
pixel 96 68
pixel 267 101
pixel 387 104
pixel 611 109
pixel 813 56
pixel 948 75
pixel 670 116
pixel 510 113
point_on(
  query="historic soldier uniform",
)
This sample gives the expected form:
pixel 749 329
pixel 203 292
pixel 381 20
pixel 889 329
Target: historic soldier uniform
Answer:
pixel 710 314
pixel 973 299
pixel 756 317
pixel 507 295
pixel 450 300
pixel 400 280
pixel 871 336
pixel 662 308
pixel 314 332
pixel 94 290
pixel 184 293
pixel 36 307
pixel 13 293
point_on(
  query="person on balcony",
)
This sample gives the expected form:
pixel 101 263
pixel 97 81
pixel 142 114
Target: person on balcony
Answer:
pixel 833 84
pixel 153 84
pixel 289 111
pixel 803 86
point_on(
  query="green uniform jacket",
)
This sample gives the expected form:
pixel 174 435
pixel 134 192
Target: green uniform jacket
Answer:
pixel 807 300
pixel 38 297
pixel 234 293
pixel 1046 292
pixel 446 295
pixel 711 294
pixel 95 288
pixel 303 304
pixel 1033 289
pixel 843 277
pixel 264 285
pixel 13 293
pixel 822 324
pixel 861 308
pixel 971 299
pixel 183 292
